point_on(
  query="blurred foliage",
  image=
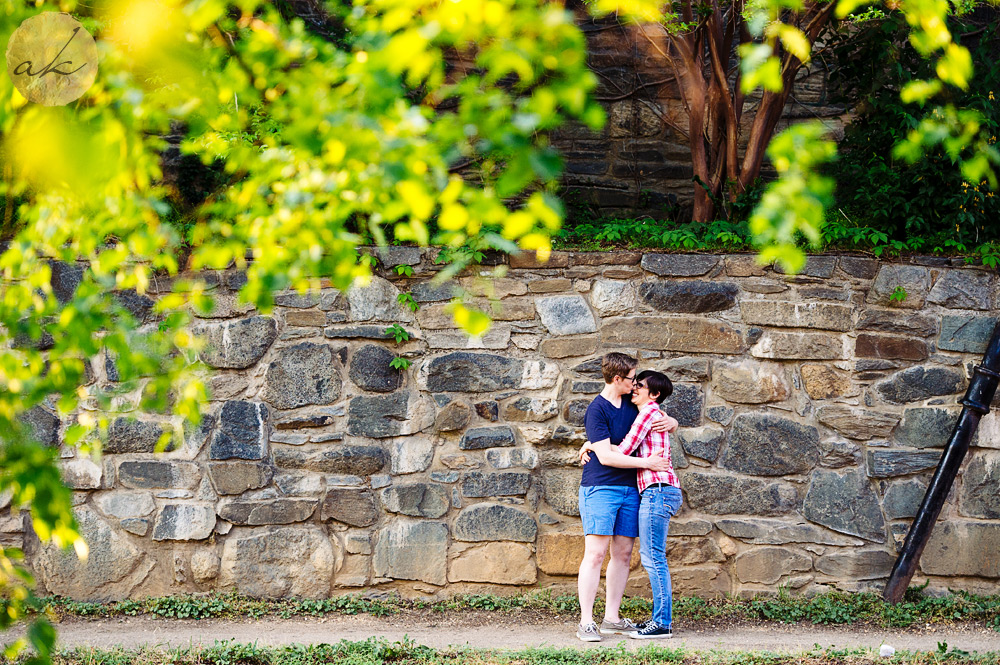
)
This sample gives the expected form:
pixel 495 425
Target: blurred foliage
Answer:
pixel 929 198
pixel 317 135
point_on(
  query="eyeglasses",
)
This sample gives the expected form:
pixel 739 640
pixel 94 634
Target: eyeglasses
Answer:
pixel 630 379
pixel 642 385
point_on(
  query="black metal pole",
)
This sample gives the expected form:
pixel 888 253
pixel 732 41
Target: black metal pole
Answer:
pixel 975 405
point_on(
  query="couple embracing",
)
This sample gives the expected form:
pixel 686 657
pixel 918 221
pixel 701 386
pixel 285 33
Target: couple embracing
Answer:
pixel 628 490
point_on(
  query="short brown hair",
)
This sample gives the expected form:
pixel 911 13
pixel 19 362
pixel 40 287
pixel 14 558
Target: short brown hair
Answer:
pixel 617 364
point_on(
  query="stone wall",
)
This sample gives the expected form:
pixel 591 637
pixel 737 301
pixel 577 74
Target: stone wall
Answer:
pixel 640 162
pixel 813 409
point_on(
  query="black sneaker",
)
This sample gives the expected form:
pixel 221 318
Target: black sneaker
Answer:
pixel 651 631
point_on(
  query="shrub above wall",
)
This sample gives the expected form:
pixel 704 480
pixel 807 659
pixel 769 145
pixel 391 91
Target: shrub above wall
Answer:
pixel 813 409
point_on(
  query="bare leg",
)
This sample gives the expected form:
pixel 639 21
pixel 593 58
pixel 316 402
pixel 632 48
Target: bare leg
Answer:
pixel 617 576
pixel 590 574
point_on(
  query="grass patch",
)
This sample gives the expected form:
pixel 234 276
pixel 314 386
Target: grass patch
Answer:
pixel 377 651
pixel 825 609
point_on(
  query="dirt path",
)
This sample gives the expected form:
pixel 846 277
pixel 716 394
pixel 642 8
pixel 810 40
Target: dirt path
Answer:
pixel 496 630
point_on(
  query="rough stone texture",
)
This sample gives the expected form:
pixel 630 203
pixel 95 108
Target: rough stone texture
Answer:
pixel 512 483
pixel 125 505
pixel 575 411
pixel 686 369
pixel 270 511
pixel 824 382
pixel 237 344
pixel 979 496
pixel 560 490
pixel 132 436
pixel 967 334
pixel 856 564
pixel 377 302
pixel 257 564
pixel 612 297
pixel 718 494
pixel 156 474
pixel 958 548
pixel 920 383
pixel 892 348
pixel 205 566
pixel 844 502
pixel 799 346
pixel 822 316
pixel 184 521
pixel 238 477
pixel 81 474
pixel 704 442
pixel 767 565
pixel 859 267
pixel 348 460
pixel 370 369
pixel 687 334
pixel 896 321
pixel 492 521
pixel 902 499
pixel 411 455
pixel 685 404
pixel 565 315
pixel 303 374
pixel 766 445
pixel 350 506
pixel 531 409
pixel 487 437
pixel 925 427
pixel 412 550
pixel 689 297
pixel 749 382
pixel 758 531
pixel 242 432
pixel 678 265
pixel 857 423
pixel 114 567
pixel 963 289
pixel 565 347
pixel 453 417
pixel 417 500
pixel 915 279
pixel 473 372
pixel 888 463
pixel 509 458
pixel 496 563
pixel 43 425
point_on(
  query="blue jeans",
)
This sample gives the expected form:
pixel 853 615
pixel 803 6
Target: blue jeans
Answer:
pixel 659 504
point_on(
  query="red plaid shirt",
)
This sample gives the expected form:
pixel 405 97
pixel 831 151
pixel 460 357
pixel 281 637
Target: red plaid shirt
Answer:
pixel 649 443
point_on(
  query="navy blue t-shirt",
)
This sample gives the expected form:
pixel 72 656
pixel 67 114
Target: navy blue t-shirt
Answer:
pixel 604 421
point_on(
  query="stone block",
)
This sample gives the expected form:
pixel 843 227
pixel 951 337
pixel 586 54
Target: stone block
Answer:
pixel 133 436
pixel 554 285
pixel 816 266
pixel 492 563
pixel 453 417
pixel 824 382
pixel 575 411
pixel 42 424
pixel 767 565
pixel 685 369
pixel 604 258
pixel 568 347
pixel 686 334
pixel 417 500
pixel 703 442
pixel 916 280
pixel 480 438
pixel 925 427
pixel 424 292
pixel 184 521
pixel 821 316
pixel 612 297
pixel 237 344
pixel 889 463
pixel 757 531
pixel 380 417
pixel 857 564
pixel 891 348
pixel 487 522
pixel 156 474
pixel 348 460
pixel 410 454
pixel 560 488
pixel 314 318
pixel 859 267
pixel 530 260
pixel 966 334
pixel 497 337
pixel 377 302
pixel 359 332
pixel 702 581
pixel 767 445
pixel 303 374
pixel 81 474
pixel 242 432
pixel 694 297
pixel 749 382
pixel 963 289
pixel 566 315
pixel 719 494
pixel 857 423
pixel 350 506
pixel 899 322
pixel 370 369
pixel 257 564
pixel 493 287
pixel 531 409
pixel 799 346
pixel 124 505
pixel 512 483
pixel 743 265
pixel 679 265
pixel 902 499
pixel 412 550
pixel 959 548
pixel 473 372
pixel 919 383
pixel 268 511
pixel 510 458
pixel 685 404
pixel 846 503
pixel 979 496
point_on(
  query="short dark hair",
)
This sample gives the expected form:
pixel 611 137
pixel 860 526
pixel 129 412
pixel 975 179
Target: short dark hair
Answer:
pixel 657 382
pixel 616 364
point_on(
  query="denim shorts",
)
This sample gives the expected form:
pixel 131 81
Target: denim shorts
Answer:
pixel 610 510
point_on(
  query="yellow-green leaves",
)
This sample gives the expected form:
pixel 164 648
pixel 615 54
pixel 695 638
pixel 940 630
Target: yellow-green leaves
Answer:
pixel 955 66
pixel 639 11
pixel 469 319
pixel 794 203
pixel 919 91
pixel 760 69
pixel 793 39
